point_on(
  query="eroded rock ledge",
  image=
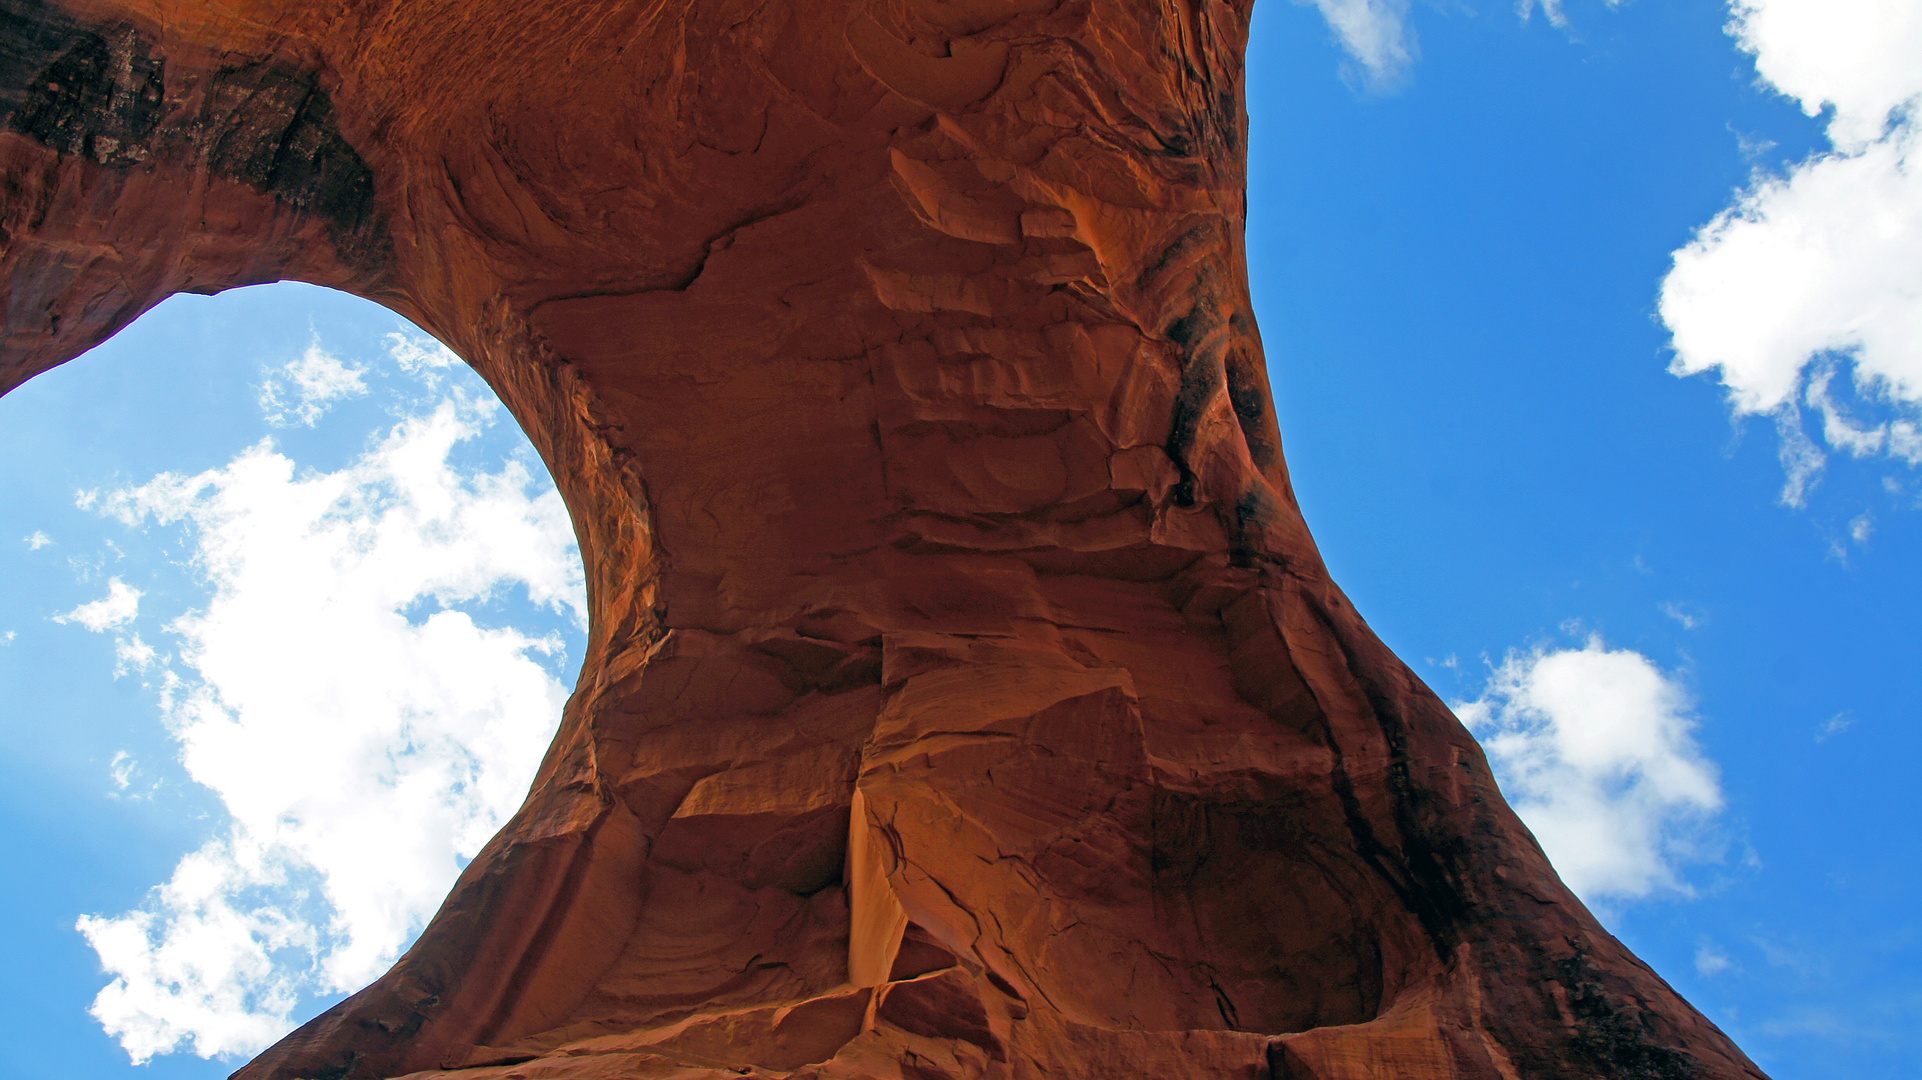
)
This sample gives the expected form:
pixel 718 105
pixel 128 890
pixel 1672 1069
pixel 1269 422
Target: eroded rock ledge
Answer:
pixel 965 696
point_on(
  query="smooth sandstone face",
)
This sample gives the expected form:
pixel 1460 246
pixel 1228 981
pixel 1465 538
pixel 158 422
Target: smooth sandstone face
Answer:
pixel 965 696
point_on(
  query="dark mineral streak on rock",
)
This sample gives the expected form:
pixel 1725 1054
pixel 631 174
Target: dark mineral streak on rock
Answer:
pixel 965 697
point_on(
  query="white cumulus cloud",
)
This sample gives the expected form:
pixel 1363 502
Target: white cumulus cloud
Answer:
pixel 1711 961
pixel 1374 33
pixel 122 768
pixel 1594 749
pixel 1681 615
pixel 198 965
pixel 37 541
pixel 299 392
pixel 1825 260
pixel 419 355
pixel 117 608
pixel 366 730
pixel 1855 56
pixel 1820 268
pixel 132 654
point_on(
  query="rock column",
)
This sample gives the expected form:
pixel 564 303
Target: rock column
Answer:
pixel 965 696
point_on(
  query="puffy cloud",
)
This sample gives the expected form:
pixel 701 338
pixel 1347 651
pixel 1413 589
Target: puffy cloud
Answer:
pixel 197 967
pixel 1681 615
pixel 1711 961
pixel 1594 749
pixel 132 654
pixel 1861 527
pixel 1826 260
pixel 1802 460
pixel 37 541
pixel 123 769
pixel 1374 33
pixel 299 392
pixel 117 608
pixel 1820 268
pixel 1855 56
pixel 365 731
pixel 420 356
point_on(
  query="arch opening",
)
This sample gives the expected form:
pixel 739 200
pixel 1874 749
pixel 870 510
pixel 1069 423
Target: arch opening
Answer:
pixel 300 607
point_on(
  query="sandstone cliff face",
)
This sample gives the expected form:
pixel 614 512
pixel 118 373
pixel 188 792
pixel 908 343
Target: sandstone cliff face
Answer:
pixel 965 695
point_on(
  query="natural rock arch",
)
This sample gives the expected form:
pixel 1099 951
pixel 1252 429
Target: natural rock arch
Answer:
pixel 964 694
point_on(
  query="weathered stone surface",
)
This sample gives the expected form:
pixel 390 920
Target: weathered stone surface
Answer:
pixel 965 696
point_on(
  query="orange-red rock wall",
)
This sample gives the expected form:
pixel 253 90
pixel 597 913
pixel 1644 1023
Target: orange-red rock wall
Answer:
pixel 965 696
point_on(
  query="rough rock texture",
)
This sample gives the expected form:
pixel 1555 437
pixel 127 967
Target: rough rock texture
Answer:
pixel 965 696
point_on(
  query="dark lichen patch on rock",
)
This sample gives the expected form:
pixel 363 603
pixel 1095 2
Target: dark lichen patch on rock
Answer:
pixel 100 96
pixel 271 126
pixel 101 92
pixel 35 35
pixel 1614 1034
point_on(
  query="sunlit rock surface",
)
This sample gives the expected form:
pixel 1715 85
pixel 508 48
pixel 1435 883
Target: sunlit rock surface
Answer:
pixel 965 696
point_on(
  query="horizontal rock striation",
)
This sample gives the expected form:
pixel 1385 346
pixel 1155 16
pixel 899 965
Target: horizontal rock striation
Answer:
pixel 965 696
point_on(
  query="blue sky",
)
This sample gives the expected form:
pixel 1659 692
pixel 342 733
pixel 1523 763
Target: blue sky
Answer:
pixel 288 577
pixel 1680 609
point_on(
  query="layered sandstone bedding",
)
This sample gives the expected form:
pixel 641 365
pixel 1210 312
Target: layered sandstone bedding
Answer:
pixel 965 696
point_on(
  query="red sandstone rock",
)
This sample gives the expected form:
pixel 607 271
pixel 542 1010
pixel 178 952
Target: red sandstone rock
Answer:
pixel 965 696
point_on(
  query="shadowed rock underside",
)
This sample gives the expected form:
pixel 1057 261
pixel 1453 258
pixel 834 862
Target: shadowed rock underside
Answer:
pixel 965 696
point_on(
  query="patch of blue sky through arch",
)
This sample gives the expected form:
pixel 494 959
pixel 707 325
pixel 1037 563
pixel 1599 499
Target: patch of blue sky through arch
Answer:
pixel 294 611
